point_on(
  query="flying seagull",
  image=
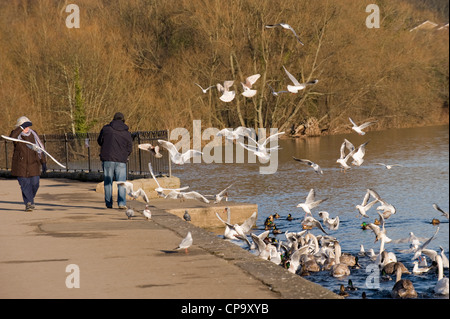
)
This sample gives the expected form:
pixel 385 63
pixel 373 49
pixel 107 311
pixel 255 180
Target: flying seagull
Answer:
pixel 275 93
pixel 359 128
pixel 389 166
pixel 160 190
pixel 297 85
pixel 177 157
pixel 227 95
pixel 204 90
pixel 315 166
pixel 154 150
pixel 247 86
pixel 287 27
pixel 34 147
pixel 310 202
pixel 133 194
pixel 436 207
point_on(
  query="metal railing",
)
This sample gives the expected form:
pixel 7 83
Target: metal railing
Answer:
pixel 81 153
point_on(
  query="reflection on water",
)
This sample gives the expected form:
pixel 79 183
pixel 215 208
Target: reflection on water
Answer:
pixel 422 180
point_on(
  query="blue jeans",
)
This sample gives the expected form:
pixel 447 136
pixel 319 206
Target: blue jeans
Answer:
pixel 29 187
pixel 118 172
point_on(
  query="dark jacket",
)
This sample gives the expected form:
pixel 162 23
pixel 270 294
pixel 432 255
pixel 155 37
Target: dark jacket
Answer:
pixel 25 161
pixel 115 141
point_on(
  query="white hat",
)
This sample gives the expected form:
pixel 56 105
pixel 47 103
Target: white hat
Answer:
pixel 22 120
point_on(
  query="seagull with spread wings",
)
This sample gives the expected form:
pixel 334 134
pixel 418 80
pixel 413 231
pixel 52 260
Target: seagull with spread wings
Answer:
pixel 359 128
pixel 297 85
pixel 132 193
pixel 247 85
pixel 177 157
pixel 315 166
pixel 286 27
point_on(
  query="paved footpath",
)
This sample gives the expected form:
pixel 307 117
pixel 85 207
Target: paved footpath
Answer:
pixel 71 235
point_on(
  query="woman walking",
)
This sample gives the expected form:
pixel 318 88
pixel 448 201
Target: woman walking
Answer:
pixel 26 161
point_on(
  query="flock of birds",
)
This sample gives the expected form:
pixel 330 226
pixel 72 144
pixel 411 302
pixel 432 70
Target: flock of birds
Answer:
pixel 303 252
pixel 228 95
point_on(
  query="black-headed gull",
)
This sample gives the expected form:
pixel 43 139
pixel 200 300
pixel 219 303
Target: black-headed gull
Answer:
pixel 310 202
pixel 359 128
pixel 358 155
pixel 389 166
pixel 275 93
pixel 177 157
pixel 297 85
pixel 231 134
pixel 387 208
pixel 365 205
pixel 185 243
pixel 330 223
pixel 315 166
pixel 236 231
pixel 204 90
pixel 342 160
pixel 34 147
pixel 160 190
pixel 310 221
pixel 287 27
pixel 260 149
pixel 186 195
pixel 132 193
pixel 154 150
pixel 227 95
pixel 221 195
pixel 436 207
pixel 147 213
pixel 247 85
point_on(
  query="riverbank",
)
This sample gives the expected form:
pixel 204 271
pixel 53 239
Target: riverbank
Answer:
pixel 121 258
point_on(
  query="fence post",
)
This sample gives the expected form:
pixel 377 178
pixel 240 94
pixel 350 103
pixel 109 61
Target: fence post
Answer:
pixel 66 148
pixel 170 162
pixel 6 155
pixel 89 150
pixel 139 152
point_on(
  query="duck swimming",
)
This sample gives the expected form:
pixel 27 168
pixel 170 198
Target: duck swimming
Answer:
pixel 289 218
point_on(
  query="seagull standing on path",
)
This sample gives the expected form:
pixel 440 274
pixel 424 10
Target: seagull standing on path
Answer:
pixel 185 243
pixel 359 128
pixel 287 27
pixel 147 213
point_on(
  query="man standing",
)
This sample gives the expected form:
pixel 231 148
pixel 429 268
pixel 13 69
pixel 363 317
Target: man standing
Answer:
pixel 116 145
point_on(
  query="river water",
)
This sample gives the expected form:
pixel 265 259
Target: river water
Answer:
pixel 422 180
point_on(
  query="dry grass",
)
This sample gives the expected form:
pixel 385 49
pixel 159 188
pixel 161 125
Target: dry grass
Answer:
pixel 141 57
